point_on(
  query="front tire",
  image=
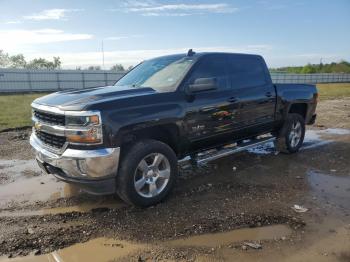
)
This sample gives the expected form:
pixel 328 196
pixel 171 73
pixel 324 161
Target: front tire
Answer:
pixel 147 173
pixel 291 135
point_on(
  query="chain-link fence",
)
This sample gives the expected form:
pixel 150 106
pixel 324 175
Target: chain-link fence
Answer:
pixel 309 78
pixel 17 80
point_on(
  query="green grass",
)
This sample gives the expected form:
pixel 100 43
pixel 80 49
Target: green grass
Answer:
pixel 333 91
pixel 15 109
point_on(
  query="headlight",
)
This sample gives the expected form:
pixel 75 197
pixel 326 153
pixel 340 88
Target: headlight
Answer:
pixel 84 129
pixel 82 120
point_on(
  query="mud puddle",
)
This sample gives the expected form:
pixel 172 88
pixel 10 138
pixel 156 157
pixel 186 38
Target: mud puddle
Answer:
pixel 82 208
pixel 31 190
pixel 105 249
pixel 10 170
pixel 99 249
pixel 234 236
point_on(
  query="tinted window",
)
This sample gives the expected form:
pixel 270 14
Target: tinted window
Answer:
pixel 246 71
pixel 212 66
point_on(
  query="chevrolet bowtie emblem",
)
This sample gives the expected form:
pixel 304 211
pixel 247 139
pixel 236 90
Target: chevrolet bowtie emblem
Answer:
pixel 37 126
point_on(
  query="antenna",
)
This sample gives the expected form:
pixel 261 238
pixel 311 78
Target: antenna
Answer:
pixel 190 52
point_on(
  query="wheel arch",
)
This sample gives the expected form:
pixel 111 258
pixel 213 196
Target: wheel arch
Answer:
pixel 166 133
pixel 299 108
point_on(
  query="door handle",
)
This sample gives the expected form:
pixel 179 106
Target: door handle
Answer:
pixel 232 99
pixel 268 94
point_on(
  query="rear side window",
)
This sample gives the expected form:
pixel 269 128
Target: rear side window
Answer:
pixel 212 66
pixel 246 71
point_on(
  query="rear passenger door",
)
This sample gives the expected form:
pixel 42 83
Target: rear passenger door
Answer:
pixel 255 92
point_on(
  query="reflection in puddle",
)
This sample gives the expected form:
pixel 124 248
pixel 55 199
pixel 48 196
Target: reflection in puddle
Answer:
pixel 331 188
pixel 99 249
pixel 239 235
pixel 16 167
pixel 41 188
pixel 313 138
pixel 28 184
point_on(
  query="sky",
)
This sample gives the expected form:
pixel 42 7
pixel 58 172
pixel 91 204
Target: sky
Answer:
pixel 285 32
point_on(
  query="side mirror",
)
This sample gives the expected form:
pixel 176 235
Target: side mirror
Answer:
pixel 202 84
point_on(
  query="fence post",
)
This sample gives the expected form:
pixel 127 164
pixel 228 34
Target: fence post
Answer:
pixel 83 78
pixel 58 80
pixel 29 81
pixel 105 75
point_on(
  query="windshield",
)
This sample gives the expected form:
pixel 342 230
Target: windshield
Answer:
pixel 161 74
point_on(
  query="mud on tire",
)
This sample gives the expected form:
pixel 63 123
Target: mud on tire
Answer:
pixel 291 135
pixel 147 173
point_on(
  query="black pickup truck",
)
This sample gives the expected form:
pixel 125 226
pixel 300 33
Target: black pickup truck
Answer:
pixel 128 138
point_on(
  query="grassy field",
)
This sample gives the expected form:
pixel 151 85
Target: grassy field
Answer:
pixel 15 109
pixel 332 91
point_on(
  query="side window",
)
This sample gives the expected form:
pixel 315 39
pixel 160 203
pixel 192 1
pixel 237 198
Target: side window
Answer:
pixel 212 66
pixel 246 71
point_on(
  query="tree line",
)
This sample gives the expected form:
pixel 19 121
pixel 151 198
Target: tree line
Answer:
pixel 19 62
pixel 341 67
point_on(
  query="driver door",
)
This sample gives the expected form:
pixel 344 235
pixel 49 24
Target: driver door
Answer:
pixel 210 115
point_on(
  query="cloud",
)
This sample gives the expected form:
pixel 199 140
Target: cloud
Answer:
pixel 51 14
pixel 113 38
pixel 13 22
pixel 153 8
pixel 16 39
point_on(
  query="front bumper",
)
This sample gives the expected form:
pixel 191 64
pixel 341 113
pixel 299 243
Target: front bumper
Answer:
pixel 93 170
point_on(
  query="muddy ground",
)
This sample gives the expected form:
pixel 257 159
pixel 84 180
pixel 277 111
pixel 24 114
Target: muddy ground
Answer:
pixel 235 208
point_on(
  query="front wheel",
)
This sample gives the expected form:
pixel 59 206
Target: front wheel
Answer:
pixel 291 135
pixel 147 173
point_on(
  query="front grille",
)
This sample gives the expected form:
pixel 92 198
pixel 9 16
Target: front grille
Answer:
pixel 51 140
pixel 49 118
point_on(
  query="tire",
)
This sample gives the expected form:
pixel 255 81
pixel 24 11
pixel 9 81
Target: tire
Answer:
pixel 142 180
pixel 291 135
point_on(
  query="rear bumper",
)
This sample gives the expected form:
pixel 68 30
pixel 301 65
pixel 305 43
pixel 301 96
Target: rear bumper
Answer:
pixel 93 170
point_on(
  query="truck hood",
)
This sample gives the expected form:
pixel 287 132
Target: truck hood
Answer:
pixel 79 99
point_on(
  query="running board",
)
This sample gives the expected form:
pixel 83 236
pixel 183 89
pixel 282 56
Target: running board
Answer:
pixel 229 150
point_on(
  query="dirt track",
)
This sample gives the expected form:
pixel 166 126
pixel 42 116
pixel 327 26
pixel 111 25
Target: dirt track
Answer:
pixel 255 189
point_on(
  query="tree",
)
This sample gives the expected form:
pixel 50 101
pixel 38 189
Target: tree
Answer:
pixel 17 61
pixel 118 67
pixel 42 63
pixel 130 67
pixel 94 68
pixel 308 69
pixel 4 59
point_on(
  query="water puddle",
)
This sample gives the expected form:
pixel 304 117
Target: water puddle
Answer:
pixel 31 190
pixel 99 249
pixel 330 189
pixel 313 139
pixel 83 208
pixel 239 235
pixel 10 170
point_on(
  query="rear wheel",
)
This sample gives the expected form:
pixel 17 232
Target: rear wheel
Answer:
pixel 291 135
pixel 147 173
